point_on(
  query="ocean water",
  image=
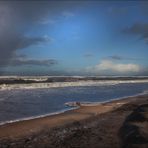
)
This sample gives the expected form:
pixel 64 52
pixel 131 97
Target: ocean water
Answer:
pixel 26 103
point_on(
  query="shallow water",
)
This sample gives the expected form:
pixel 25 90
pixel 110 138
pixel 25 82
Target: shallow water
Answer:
pixel 23 103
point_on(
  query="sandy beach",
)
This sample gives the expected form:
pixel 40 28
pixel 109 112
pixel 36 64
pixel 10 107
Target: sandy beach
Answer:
pixel 97 125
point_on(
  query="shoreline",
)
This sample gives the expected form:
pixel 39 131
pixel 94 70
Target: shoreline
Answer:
pixel 36 117
pixel 105 125
pixel 33 126
pixel 70 109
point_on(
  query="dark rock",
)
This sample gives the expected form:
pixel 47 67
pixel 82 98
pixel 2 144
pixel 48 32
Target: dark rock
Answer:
pixel 136 116
pixel 142 108
pixel 130 132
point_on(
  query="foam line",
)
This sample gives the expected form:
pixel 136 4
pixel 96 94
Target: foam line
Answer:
pixel 68 84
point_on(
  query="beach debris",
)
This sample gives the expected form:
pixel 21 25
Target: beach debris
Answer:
pixel 73 104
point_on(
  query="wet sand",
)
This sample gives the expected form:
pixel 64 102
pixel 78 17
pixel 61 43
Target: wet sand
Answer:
pixel 99 123
pixel 23 128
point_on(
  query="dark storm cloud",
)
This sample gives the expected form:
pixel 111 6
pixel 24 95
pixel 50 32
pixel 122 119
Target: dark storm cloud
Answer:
pixel 27 41
pixel 16 18
pixel 22 62
pixel 138 29
pixel 10 43
pixel 119 58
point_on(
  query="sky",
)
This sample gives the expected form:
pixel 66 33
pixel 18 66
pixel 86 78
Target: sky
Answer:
pixel 88 38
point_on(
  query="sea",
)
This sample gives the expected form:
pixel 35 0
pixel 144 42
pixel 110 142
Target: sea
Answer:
pixel 24 104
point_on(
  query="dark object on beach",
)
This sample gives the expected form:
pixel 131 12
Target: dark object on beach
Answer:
pixel 73 104
pixel 78 103
pixel 134 131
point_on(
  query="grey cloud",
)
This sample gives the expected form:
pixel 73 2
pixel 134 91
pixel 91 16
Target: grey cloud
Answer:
pixel 144 7
pixel 10 44
pixel 118 58
pixel 115 57
pixel 27 41
pixel 138 29
pixel 20 12
pixel 118 11
pixel 21 62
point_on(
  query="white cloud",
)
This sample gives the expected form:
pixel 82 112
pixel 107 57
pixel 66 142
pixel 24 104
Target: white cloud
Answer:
pixel 108 65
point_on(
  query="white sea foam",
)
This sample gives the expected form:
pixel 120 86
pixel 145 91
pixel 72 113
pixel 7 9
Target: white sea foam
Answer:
pixel 68 84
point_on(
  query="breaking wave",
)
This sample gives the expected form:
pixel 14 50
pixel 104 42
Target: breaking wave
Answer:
pixel 68 84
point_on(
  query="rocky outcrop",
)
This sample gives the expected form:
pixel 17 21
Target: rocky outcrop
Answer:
pixel 134 131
